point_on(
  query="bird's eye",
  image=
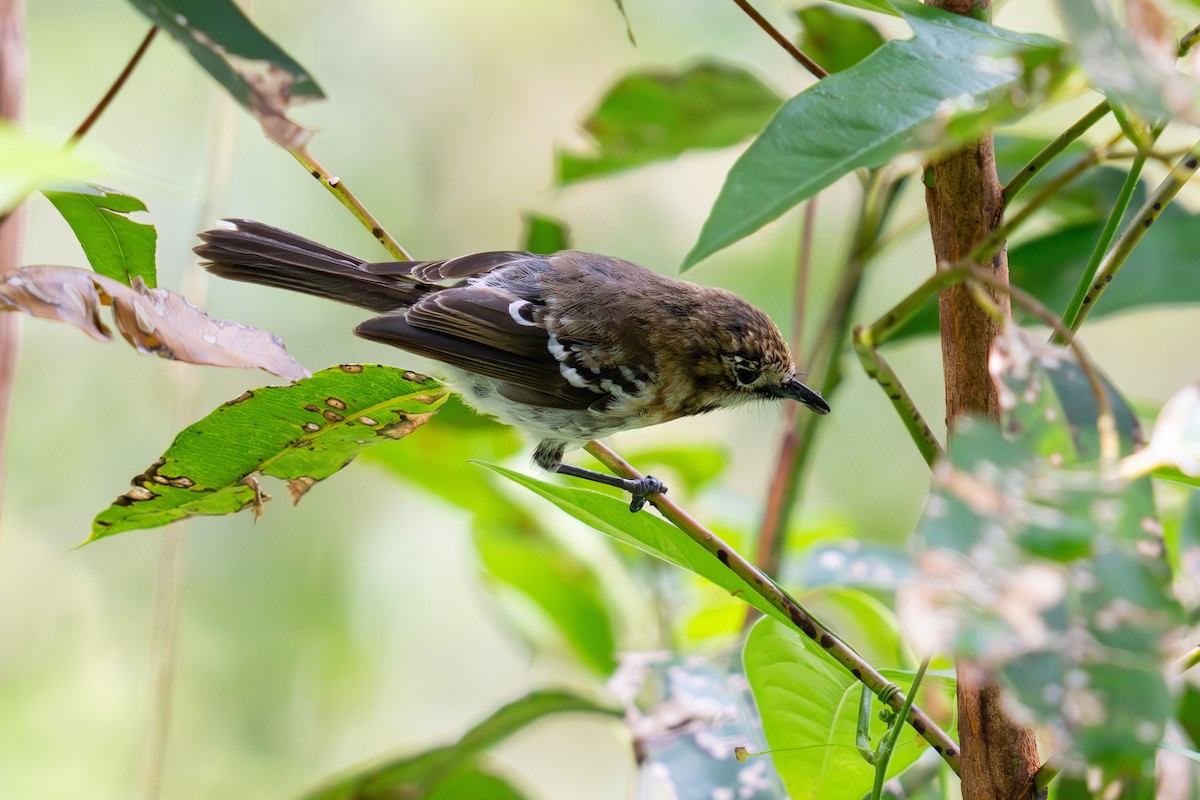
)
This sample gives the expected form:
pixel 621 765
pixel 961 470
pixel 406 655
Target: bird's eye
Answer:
pixel 745 372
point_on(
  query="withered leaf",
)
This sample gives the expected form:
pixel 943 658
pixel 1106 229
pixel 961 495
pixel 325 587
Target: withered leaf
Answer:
pixel 155 321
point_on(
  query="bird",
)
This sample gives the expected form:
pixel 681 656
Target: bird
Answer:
pixel 566 347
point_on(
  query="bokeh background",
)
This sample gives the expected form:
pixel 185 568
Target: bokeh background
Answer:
pixel 356 624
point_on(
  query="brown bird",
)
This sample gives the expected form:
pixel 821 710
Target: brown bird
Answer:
pixel 566 347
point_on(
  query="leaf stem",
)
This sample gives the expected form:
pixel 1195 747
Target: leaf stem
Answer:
pixel 1050 151
pixel 117 84
pixel 795 52
pixel 342 192
pixel 883 753
pixel 1115 215
pixel 1132 234
pixel 801 619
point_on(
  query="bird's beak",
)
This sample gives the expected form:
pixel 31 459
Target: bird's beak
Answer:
pixel 795 390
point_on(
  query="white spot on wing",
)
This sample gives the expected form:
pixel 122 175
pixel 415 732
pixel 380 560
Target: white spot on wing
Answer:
pixel 514 311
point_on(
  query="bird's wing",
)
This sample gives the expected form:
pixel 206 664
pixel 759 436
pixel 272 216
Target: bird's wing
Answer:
pixel 490 332
pixel 452 269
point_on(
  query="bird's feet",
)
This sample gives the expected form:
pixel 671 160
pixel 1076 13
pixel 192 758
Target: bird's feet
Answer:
pixel 642 487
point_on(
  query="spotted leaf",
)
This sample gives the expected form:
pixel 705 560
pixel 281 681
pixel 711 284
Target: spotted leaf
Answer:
pixel 301 433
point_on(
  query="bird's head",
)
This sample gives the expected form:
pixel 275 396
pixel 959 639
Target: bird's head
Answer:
pixel 742 357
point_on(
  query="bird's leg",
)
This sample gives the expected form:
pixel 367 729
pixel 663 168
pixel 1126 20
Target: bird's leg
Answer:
pixel 639 488
pixel 549 456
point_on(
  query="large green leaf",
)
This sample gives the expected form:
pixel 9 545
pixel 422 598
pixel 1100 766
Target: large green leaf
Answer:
pixel 417 776
pixel 809 708
pixel 926 94
pixel 264 79
pixel 27 164
pixel 654 115
pixel 114 244
pixel 301 433
pixel 644 531
pixel 1045 570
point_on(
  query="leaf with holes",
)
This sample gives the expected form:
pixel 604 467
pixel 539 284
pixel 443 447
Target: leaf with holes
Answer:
pixel 1055 581
pixel 423 773
pixel 955 78
pixel 264 79
pixel 115 245
pixel 301 433
pixel 654 115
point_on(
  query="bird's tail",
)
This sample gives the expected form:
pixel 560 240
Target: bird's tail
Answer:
pixel 250 251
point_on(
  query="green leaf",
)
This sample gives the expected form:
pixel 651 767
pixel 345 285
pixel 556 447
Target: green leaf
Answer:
pixel 861 621
pixel 564 588
pixel 417 775
pixel 301 433
pixel 809 708
pixel 27 164
pixel 475 783
pixel 115 245
pixel 836 39
pixel 545 234
pixel 656 115
pixel 644 531
pixel 264 79
pixel 956 77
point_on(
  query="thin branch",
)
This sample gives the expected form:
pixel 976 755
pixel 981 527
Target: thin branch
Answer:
pixel 800 619
pixel 1050 151
pixel 1190 659
pixel 880 331
pixel 117 84
pixel 1133 232
pixel 795 52
pixel 1115 215
pixel 338 188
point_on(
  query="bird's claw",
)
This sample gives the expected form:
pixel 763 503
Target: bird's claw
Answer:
pixel 642 487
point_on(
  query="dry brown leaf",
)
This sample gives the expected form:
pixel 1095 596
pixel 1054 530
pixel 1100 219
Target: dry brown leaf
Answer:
pixel 154 321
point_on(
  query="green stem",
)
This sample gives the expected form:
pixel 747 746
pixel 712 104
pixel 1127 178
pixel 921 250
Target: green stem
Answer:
pixel 1106 235
pixel 881 372
pixel 347 198
pixel 1050 151
pixel 883 753
pixel 801 620
pixel 1190 660
pixel 1132 234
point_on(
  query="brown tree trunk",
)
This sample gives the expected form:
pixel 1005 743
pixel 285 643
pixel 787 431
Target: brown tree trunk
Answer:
pixel 12 80
pixel 963 195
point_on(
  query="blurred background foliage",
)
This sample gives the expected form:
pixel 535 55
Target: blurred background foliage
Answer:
pixel 381 615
